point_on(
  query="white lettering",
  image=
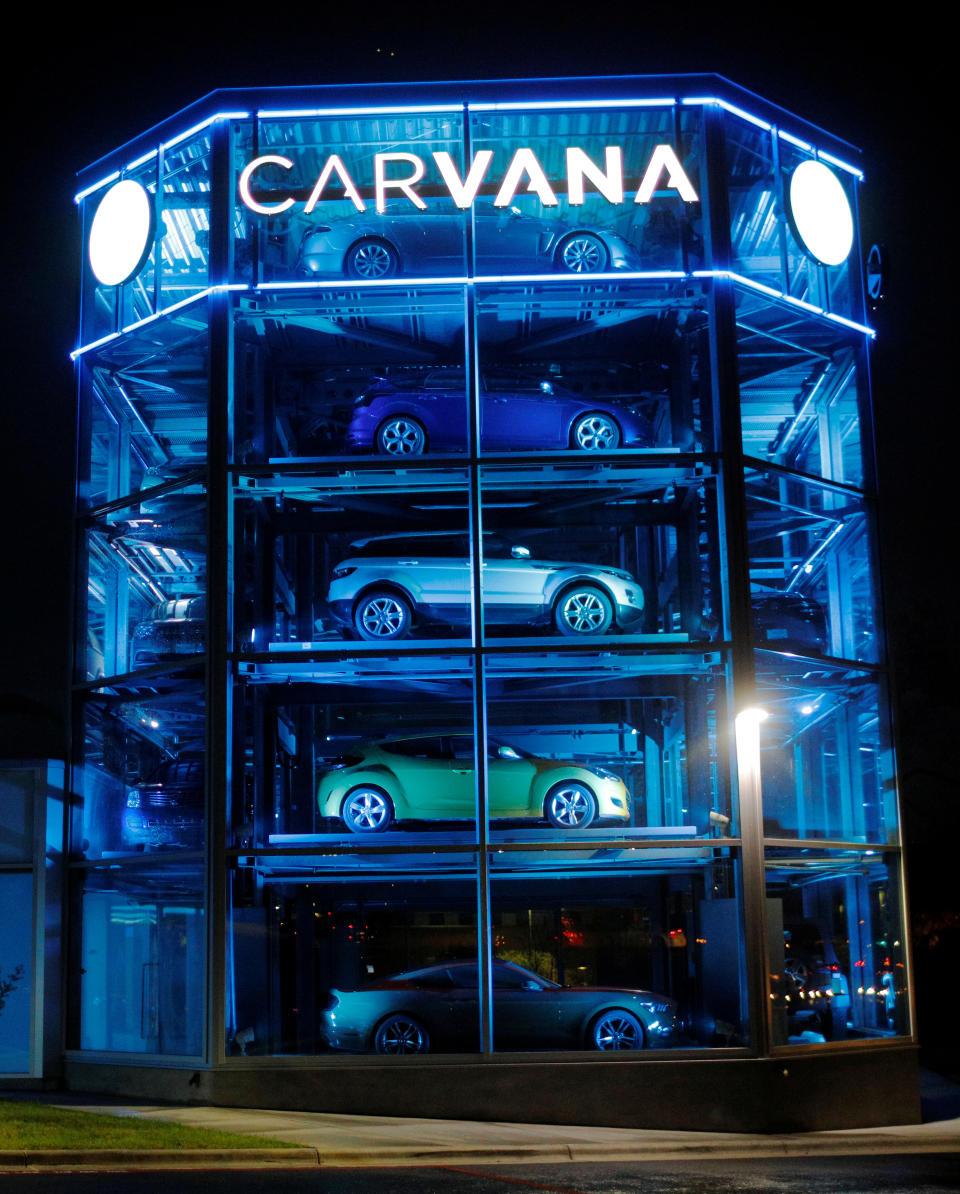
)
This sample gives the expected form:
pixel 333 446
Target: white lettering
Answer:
pixel 334 163
pixel 463 192
pixel 381 183
pixel 665 159
pixel 263 209
pixel 609 182
pixel 525 162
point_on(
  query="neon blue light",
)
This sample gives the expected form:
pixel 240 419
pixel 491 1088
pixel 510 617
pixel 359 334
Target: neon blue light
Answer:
pixel 583 279
pixel 133 327
pixel 786 298
pixel 519 106
pixel 293 113
pixel 153 152
pixel 351 284
pixel 712 99
pixel 93 344
pixel 828 157
pixel 795 141
pixel 96 186
pixel 857 327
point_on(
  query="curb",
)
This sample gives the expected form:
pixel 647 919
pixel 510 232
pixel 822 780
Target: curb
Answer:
pixel 116 1160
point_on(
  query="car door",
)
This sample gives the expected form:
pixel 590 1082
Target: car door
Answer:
pixel 509 780
pixel 434 785
pixel 436 570
pixel 513 583
pixel 525 1010
pixel 518 412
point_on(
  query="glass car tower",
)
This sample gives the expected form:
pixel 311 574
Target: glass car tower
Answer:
pixel 480 674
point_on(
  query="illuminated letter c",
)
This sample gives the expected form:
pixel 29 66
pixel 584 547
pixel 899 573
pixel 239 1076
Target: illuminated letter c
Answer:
pixel 263 209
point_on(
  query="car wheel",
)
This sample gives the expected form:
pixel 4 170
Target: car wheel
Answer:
pixel 401 1033
pixel 583 253
pixel 616 1029
pixel 570 806
pixel 584 610
pixel 367 810
pixel 595 433
pixel 382 617
pixel 401 436
pixel 371 259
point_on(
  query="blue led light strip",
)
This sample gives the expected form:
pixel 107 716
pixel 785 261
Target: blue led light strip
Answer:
pixel 386 110
pixel 80 195
pixel 488 279
pixel 140 323
pixel 532 105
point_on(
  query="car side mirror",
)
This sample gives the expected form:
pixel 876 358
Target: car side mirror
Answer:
pixel 507 752
pixel 546 387
pixel 530 985
pixel 520 553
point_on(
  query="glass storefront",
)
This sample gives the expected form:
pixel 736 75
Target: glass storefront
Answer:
pixel 411 553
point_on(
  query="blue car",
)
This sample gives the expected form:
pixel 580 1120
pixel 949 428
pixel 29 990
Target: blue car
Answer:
pixel 516 412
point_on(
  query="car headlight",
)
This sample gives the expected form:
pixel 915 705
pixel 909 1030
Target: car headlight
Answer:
pixel 133 798
pixel 605 774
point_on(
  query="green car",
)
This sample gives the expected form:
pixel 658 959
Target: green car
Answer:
pixel 431 777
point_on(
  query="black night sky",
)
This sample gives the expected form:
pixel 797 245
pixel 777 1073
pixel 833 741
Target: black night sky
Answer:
pixel 83 82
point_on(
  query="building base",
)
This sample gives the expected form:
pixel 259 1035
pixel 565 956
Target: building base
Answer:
pixel 834 1089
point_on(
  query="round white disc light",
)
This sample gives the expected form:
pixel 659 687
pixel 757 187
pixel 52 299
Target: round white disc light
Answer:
pixel 121 233
pixel 821 213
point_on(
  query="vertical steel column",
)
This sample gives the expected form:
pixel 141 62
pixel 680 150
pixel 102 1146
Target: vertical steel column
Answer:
pixel 471 363
pixel 735 565
pixel 219 586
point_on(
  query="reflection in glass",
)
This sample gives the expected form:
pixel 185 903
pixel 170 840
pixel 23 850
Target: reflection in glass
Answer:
pixel 140 786
pixel 648 958
pixel 811 567
pixel 827 766
pixel 836 941
pixel 142 956
pixel 350 965
pixel 16 978
pixel 185 216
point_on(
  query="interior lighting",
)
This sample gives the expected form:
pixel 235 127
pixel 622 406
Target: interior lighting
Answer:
pixel 295 113
pixel 806 710
pixel 532 105
pixel 121 233
pixel 727 107
pixel 821 212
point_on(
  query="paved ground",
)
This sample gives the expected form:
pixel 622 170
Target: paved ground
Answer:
pixel 358 1141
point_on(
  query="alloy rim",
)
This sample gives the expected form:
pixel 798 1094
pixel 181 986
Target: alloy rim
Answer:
pixel 372 261
pixel 596 433
pixel 367 810
pixel 402 437
pixel 617 1032
pixel 583 612
pixel 582 255
pixel 570 806
pixel 400 1036
pixel 382 617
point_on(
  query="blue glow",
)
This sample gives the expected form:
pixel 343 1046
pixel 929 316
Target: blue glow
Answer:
pixel 202 125
pixel 786 298
pixel 93 344
pixel 828 157
pixel 712 99
pixel 365 283
pixel 140 161
pixel 96 186
pixel 857 327
pixel 412 109
pixel 795 141
pixel 520 106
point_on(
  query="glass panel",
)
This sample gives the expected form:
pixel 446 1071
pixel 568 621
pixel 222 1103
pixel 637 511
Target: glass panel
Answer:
pixel 144 408
pixel 648 957
pixel 186 219
pixel 146 583
pixel 19 790
pixel 595 551
pixel 756 221
pixel 16 978
pixel 595 748
pixel 811 567
pixel 347 750
pixel 142 951
pixel 326 374
pixel 362 197
pixel 592 368
pixel 139 785
pixel 799 391
pixel 836 941
pixel 318 569
pixel 587 191
pixel 826 757
pixel 320 960
pixel 138 298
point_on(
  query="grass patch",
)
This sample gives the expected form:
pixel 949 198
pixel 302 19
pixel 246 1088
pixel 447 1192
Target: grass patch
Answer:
pixel 37 1125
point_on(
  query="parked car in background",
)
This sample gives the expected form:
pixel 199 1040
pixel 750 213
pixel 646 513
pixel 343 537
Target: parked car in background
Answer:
pixel 405 240
pixel 431 777
pixel 390 585
pixel 175 627
pixel 784 620
pixel 438 1006
pixel 166 809
pixel 516 412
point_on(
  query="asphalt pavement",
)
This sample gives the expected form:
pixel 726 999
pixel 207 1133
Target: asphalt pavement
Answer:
pixel 360 1141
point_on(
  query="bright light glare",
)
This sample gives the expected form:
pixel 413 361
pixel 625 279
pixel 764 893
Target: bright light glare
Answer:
pixel 821 212
pixel 120 232
pixel 753 714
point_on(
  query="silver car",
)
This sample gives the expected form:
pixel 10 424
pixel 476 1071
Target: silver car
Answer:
pixel 393 584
